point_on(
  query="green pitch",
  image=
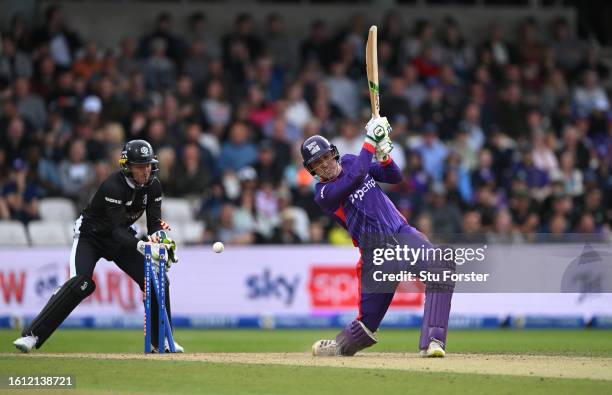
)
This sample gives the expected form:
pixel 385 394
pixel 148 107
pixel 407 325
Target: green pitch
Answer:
pixel 155 375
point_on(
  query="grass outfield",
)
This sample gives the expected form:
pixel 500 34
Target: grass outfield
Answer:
pixel 163 375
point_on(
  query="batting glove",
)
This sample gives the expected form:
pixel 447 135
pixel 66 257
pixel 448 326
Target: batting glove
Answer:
pixel 377 129
pixel 383 149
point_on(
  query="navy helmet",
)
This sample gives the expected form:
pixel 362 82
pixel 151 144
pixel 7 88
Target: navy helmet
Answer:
pixel 315 147
pixel 138 152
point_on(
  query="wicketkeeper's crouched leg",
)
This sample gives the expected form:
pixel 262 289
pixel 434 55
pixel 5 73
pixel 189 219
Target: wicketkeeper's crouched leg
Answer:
pixel 65 299
pixel 57 309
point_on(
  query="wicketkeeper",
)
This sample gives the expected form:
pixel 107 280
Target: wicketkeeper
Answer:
pixel 104 230
pixel 348 192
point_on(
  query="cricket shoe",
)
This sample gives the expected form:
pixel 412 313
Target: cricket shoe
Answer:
pixel 177 348
pixel 434 350
pixel 26 344
pixel 325 348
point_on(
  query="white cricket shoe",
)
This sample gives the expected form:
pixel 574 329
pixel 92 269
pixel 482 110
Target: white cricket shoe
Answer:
pixel 26 344
pixel 325 348
pixel 177 348
pixel 434 350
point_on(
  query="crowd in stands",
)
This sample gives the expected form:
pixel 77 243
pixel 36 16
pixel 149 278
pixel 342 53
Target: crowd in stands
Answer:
pixel 508 136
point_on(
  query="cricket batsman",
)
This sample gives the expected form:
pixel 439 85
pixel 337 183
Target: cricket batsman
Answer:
pixel 104 230
pixel 348 192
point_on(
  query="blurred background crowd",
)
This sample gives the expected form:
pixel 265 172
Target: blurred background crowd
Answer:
pixel 506 137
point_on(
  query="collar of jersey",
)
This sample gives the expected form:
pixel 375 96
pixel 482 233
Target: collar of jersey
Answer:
pixel 334 179
pixel 129 182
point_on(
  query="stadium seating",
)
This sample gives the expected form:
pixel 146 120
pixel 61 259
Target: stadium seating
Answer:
pixel 49 233
pixel 176 210
pixel 57 209
pixel 189 232
pixel 13 233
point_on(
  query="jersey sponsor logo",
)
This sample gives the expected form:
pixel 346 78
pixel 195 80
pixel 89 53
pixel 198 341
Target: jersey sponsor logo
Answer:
pixel 111 200
pixel 313 148
pixel 360 192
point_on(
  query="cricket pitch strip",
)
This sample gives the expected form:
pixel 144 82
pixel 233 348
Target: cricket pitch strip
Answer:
pixel 494 364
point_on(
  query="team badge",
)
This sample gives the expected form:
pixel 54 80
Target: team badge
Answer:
pixel 313 148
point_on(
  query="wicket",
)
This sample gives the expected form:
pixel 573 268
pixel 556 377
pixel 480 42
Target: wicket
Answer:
pixel 159 285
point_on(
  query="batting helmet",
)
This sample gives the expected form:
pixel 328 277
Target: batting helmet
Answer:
pixel 138 152
pixel 315 147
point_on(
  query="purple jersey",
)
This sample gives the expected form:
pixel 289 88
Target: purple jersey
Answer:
pixel 356 201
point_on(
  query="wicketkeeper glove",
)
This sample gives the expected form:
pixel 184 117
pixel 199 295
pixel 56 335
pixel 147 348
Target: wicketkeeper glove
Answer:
pixel 383 149
pixel 377 129
pixel 161 236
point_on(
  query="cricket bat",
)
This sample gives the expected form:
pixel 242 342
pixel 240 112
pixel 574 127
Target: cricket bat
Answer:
pixel 372 70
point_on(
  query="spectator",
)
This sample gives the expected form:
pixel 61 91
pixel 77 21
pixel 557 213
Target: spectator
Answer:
pixel 163 36
pixel 267 168
pixel 20 194
pixel 89 63
pixel 285 233
pixel 186 98
pixel 61 41
pixel 343 91
pixel 278 45
pixel 395 103
pixel 544 157
pixel 30 105
pixel 445 217
pixel 16 141
pixel 239 151
pixel 501 51
pixel 159 71
pixel 197 65
pixel 200 32
pixel 14 63
pixel 503 231
pixel 437 111
pixel 414 91
pixel 215 109
pixel 128 63
pixel 298 112
pixel 569 175
pixel 433 152
pixel 260 109
pixel 568 50
pixel 76 173
pixel 191 178
pixel 113 107
pixel 349 141
pixel 228 232
pixel 318 46
pixel 512 113
pixel 589 96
